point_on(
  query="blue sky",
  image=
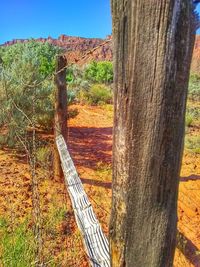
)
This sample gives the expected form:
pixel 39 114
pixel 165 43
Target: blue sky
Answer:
pixel 43 18
pixel 198 10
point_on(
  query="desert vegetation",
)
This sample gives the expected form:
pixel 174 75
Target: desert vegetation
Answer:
pixel 27 99
pixel 27 80
pixel 86 93
pixel 145 102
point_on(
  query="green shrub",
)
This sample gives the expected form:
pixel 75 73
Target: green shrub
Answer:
pixel 54 217
pixel 192 117
pixel 23 81
pixel 99 72
pixel 98 94
pixel 194 111
pixel 71 96
pixel 82 82
pixel 45 121
pixel 82 96
pixel 194 87
pixel 76 80
pixel 44 157
pixel 193 144
pixel 26 80
pixel 189 119
pixel 72 113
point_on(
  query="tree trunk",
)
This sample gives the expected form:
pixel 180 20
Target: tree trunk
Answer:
pixel 60 118
pixel 153 41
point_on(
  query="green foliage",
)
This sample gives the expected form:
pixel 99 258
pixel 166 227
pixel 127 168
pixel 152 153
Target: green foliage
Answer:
pixel 17 242
pixel 104 171
pixel 70 76
pixel 41 55
pixel 193 144
pixel 99 72
pixel 80 78
pixel 76 81
pixel 98 94
pixel 44 156
pixel 89 81
pixel 192 116
pixel 72 113
pixel 22 78
pixel 194 87
pixel 189 120
pixel 17 245
pixel 71 96
pixel 53 219
pixel 26 80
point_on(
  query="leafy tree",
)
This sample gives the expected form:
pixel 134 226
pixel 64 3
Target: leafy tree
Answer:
pixel 99 72
pixel 104 72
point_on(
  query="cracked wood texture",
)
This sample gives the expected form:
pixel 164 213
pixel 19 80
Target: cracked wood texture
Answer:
pixel 60 116
pixel 153 42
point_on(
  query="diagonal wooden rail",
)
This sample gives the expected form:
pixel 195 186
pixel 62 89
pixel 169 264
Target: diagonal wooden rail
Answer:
pixel 95 241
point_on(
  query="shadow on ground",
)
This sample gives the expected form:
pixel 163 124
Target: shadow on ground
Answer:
pixel 190 251
pixel 192 177
pixel 89 146
pixel 97 183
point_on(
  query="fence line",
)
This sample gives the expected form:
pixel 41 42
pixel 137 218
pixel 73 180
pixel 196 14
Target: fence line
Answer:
pixel 95 241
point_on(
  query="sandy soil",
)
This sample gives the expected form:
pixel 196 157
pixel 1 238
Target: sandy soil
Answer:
pixel 90 144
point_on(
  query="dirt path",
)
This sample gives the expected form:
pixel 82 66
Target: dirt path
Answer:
pixel 90 144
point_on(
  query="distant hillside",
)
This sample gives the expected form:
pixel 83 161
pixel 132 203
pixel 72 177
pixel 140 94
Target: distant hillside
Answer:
pixel 83 50
pixel 75 47
pixel 102 52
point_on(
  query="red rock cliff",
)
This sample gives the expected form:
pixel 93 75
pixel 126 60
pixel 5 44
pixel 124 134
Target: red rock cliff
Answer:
pixel 83 50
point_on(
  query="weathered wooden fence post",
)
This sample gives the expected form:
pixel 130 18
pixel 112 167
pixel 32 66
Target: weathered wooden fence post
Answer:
pixel 153 43
pixel 60 117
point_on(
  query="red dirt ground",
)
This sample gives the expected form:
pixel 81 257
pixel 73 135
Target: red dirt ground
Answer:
pixel 90 144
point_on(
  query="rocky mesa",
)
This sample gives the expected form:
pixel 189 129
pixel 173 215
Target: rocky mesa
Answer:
pixel 75 47
pixel 83 50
